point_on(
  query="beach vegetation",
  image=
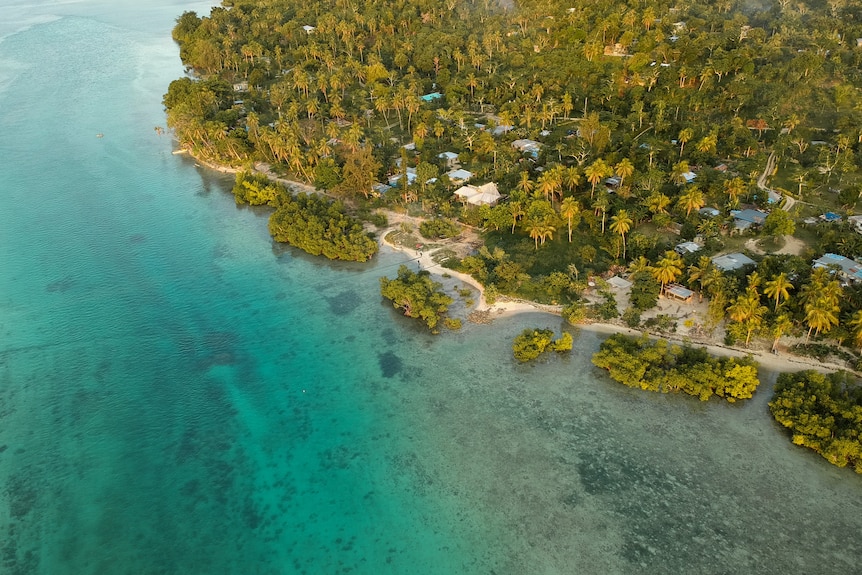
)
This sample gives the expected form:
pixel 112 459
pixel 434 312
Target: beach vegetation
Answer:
pixel 315 224
pixel 437 228
pixel 417 295
pixel 657 365
pixel 532 343
pixel 823 412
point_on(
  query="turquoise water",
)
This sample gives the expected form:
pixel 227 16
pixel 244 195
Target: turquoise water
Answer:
pixel 179 395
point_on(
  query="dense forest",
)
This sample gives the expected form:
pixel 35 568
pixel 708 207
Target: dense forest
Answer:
pixel 607 127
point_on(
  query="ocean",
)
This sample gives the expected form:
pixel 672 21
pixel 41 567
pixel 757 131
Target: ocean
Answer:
pixel 179 395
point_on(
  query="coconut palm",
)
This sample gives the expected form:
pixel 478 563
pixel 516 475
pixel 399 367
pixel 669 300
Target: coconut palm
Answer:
pixel 780 326
pixel 691 200
pixel 677 173
pixel 624 169
pixel 569 209
pixel 699 273
pixel 516 210
pixel 820 314
pixel 621 223
pixel 668 268
pixel 595 172
pixel 571 177
pixel 684 136
pixel 525 184
pixel 778 288
pixel 748 311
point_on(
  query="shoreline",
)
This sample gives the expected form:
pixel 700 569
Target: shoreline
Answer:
pixel 781 362
pixel 507 307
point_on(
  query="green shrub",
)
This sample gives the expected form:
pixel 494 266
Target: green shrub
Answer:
pixel 533 342
pixel 438 228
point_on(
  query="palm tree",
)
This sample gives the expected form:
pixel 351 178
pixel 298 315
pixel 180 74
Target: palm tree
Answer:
pixel 668 268
pixel 692 199
pixel 677 173
pixel 699 273
pixel 747 310
pixel 820 315
pixel 778 288
pixel 657 203
pixel 734 188
pixel 601 204
pixel 571 177
pixel 516 210
pixel 547 184
pixel 639 265
pixel 624 169
pixel 684 136
pixel 621 223
pixel 595 172
pixel 780 326
pixel 525 184
pixel 569 209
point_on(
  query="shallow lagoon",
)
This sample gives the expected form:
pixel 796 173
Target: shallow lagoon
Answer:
pixel 178 395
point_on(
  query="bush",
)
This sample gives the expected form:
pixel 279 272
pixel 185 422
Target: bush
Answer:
pixel 575 313
pixel 320 226
pixel 656 365
pixel 632 317
pixel 438 228
pixel 418 295
pixel 533 342
pixel 824 413
pixel 379 219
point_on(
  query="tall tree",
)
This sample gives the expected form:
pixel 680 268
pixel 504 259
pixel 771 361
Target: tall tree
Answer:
pixel 668 268
pixel 570 209
pixel 778 288
pixel 621 223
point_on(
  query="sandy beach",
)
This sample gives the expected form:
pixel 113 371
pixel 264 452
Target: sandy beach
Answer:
pixel 503 307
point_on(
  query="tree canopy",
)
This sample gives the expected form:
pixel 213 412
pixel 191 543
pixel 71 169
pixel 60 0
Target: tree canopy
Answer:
pixel 823 413
pixel 418 295
pixel 656 365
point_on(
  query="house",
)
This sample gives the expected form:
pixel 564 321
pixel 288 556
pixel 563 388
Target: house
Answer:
pixel 394 179
pixel 431 97
pixel 380 188
pixel 688 177
pixel 241 86
pixel 849 270
pixel 732 262
pixel 486 194
pixel 686 248
pixel 308 29
pixel 529 147
pixel 831 217
pixel 708 212
pixel 459 176
pixel 773 197
pixel 678 292
pixel 744 219
pixel 619 283
pixel 451 158
pixel 613 183
pixel 500 130
pixel 856 222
